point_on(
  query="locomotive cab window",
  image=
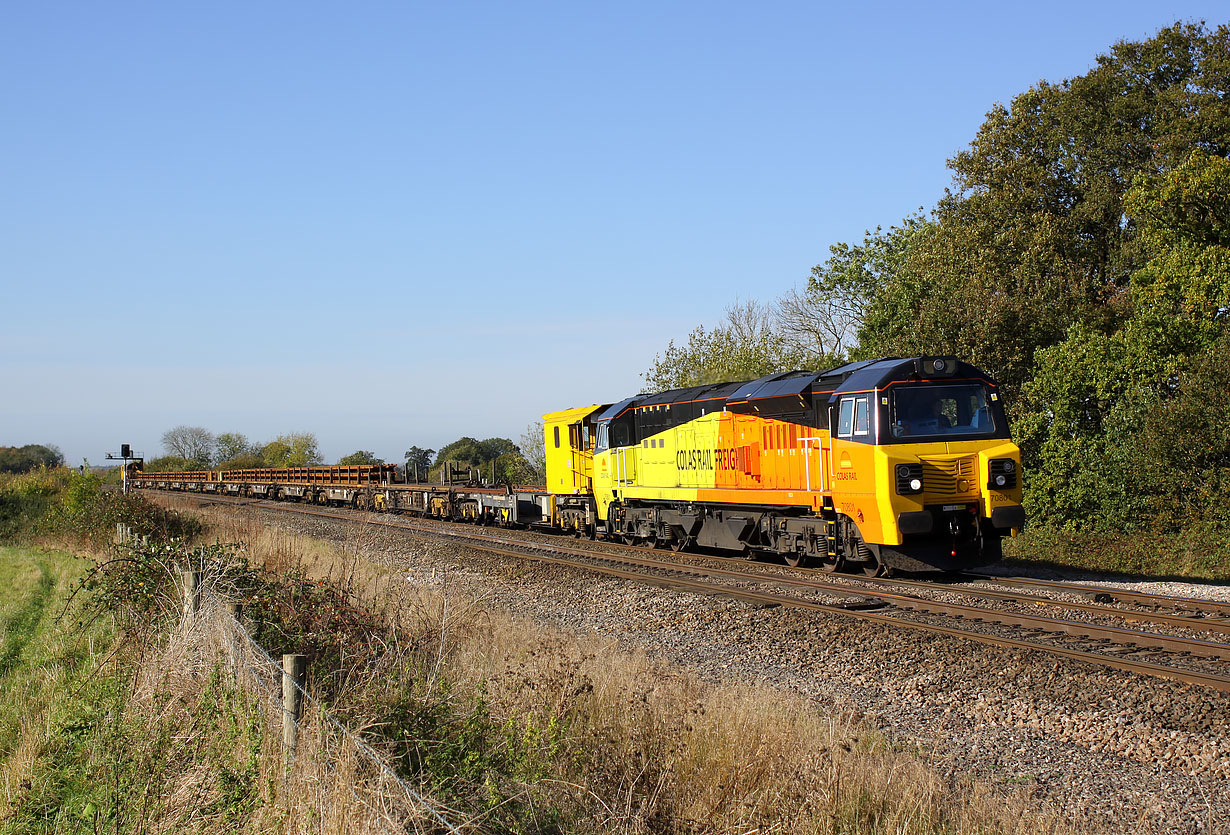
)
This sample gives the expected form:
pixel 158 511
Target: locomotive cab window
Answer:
pixel 557 437
pixel 933 411
pixel 862 416
pixel 854 417
pixel 845 418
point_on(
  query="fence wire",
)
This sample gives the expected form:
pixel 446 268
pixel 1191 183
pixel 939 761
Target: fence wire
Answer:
pixel 327 748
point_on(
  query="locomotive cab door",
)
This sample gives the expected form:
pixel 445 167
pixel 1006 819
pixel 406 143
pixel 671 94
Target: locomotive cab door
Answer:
pixel 852 464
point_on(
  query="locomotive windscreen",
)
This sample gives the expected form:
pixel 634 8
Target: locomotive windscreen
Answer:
pixel 933 411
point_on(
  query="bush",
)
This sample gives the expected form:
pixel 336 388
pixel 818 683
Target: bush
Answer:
pixel 87 514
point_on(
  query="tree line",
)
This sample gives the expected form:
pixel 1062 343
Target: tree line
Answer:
pixel 23 459
pixel 196 448
pixel 1082 257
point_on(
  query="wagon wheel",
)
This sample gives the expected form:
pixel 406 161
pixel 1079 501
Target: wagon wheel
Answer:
pixel 676 539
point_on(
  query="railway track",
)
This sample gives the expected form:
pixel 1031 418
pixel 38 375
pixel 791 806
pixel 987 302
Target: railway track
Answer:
pixel 899 603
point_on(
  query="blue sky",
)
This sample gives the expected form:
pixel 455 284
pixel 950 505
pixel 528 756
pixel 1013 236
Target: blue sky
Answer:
pixel 400 223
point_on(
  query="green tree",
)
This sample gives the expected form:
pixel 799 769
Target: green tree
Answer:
pixel 229 446
pixel 362 456
pixel 750 344
pixel 294 449
pixel 169 464
pixel 468 452
pixel 1095 402
pixel 1034 238
pixel 243 461
pixel 853 300
pixel 418 460
pixel 23 459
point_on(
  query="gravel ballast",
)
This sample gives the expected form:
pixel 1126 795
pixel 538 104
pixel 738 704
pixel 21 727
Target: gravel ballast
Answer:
pixel 1115 752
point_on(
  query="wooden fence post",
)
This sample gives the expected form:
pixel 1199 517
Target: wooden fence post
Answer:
pixel 294 680
pixel 192 592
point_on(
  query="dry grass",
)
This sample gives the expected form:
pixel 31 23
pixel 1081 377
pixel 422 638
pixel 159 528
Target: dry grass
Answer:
pixel 213 748
pixel 633 746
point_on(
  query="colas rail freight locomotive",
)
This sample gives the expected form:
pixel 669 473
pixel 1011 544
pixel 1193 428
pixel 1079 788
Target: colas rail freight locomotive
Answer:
pixel 890 463
pixel 877 465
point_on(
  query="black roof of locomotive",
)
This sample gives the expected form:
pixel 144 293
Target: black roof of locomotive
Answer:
pixel 878 374
pixel 864 375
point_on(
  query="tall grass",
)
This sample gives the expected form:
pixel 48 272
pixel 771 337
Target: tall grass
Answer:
pixel 608 740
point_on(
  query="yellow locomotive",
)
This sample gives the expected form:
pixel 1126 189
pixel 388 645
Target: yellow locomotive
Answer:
pixel 873 466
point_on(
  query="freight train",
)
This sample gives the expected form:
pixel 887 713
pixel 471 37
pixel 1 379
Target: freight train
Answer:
pixel 875 466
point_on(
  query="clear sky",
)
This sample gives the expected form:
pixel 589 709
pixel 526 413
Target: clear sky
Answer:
pixel 399 223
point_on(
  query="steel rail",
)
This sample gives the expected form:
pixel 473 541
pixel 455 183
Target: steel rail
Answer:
pixel 1124 595
pixel 1197 624
pixel 1120 635
pixel 902 601
pixel 1210 680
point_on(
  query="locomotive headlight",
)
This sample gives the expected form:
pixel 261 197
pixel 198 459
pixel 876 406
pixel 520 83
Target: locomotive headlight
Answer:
pixel 938 365
pixel 1002 474
pixel 909 479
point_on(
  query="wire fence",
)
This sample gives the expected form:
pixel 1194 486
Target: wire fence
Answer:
pixel 332 781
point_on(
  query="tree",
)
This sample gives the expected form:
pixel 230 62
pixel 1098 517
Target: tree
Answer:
pixel 534 450
pixel 468 452
pixel 169 464
pixel 1034 238
pixel 29 457
pixel 242 461
pixel 1103 401
pixel 418 460
pixel 512 468
pixel 829 316
pixel 362 456
pixel 747 346
pixel 195 444
pixel 232 445
pixel 294 449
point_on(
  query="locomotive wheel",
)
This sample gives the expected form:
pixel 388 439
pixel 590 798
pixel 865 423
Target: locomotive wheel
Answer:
pixel 866 558
pixel 831 565
pixel 677 544
pixel 794 559
pixel 629 539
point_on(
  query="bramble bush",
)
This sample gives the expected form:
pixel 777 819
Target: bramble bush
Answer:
pixel 87 515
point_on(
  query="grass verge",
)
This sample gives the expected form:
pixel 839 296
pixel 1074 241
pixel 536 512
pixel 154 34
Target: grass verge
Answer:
pixel 523 728
pixel 55 690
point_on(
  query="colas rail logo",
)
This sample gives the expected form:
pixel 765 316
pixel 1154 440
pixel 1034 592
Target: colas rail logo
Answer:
pixel 703 459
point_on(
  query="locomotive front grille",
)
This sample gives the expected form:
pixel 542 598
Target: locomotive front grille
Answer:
pixel 949 476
